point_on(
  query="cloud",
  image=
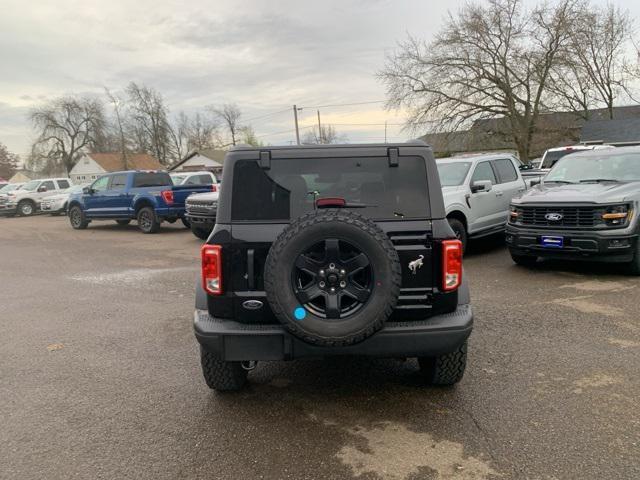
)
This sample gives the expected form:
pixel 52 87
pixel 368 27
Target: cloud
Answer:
pixel 265 56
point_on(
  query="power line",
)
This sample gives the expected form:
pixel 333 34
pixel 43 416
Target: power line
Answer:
pixel 344 104
pixel 266 115
pixel 282 132
pixel 366 124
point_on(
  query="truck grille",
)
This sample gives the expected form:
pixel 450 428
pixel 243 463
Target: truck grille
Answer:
pixel 193 206
pixel 3 200
pixel 571 217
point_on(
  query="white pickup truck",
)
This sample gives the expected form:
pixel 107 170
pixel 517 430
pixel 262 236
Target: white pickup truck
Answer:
pixel 26 200
pixel 477 192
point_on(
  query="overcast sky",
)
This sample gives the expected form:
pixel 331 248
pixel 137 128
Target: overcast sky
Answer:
pixel 262 55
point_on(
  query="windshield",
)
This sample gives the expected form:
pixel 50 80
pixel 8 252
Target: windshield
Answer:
pixel 8 188
pixel 177 179
pixel 614 167
pixel 31 186
pixel 453 173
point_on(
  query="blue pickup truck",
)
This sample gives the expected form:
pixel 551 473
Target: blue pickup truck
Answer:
pixel 146 196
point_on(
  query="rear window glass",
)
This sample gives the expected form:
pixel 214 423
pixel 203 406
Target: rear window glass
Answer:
pixel 550 158
pixel 152 179
pixel 288 189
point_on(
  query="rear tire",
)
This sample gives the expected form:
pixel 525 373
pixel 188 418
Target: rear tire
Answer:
pixel 77 218
pixel 220 375
pixel 123 223
pixel 201 233
pixel 524 260
pixel 26 208
pixel 147 220
pixel 444 370
pixel 458 229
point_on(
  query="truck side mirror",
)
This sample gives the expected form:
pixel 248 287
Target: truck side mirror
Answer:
pixel 42 189
pixel 481 186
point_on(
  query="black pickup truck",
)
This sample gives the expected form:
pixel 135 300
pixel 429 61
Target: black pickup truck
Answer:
pixel 334 250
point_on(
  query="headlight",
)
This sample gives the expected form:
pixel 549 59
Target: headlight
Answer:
pixel 617 215
pixel 514 213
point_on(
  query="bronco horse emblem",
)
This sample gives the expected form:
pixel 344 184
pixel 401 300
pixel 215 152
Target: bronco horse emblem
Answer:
pixel 414 265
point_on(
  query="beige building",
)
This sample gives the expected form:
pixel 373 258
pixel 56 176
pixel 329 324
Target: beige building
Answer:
pixel 206 159
pixel 92 165
pixel 23 176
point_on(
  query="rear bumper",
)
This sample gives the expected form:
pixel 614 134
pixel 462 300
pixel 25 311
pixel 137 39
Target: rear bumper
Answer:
pixel 603 246
pixel 170 212
pixel 234 341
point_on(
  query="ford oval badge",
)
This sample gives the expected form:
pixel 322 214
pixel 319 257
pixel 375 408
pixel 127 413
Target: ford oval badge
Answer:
pixel 252 304
pixel 554 217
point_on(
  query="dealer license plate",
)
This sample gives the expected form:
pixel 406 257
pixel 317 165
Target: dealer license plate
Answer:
pixel 552 241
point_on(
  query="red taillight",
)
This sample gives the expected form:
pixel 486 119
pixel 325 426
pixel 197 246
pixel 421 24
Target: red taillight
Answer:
pixel 214 188
pixel 451 264
pixel 331 202
pixel 212 269
pixel 167 196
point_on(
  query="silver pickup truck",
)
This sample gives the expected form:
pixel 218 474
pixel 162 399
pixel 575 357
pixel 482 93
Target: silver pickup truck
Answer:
pixel 584 209
pixel 478 190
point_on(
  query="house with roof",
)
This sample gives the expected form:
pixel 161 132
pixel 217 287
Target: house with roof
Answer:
pixel 92 165
pixel 209 159
pixel 619 132
pixel 23 176
pixel 554 129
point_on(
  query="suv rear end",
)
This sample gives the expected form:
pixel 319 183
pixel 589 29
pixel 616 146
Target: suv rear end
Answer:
pixel 277 195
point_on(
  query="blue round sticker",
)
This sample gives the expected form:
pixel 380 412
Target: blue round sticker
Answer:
pixel 299 313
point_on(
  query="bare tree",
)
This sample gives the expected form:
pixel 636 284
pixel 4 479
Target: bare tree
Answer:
pixel 66 126
pixel 229 115
pixel 325 136
pixel 571 87
pixel 179 133
pixel 116 102
pixel 8 162
pixel 599 43
pixel 491 59
pixel 148 123
pixel 203 132
pixel 248 136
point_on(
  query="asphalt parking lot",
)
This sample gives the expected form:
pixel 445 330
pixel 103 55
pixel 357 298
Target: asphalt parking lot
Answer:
pixel 100 375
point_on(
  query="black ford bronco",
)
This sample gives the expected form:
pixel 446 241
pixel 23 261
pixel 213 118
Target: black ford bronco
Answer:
pixel 331 250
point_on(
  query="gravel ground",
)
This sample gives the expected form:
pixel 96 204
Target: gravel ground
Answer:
pixel 100 376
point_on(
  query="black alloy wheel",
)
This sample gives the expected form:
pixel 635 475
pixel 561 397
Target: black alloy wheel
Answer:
pixel 333 279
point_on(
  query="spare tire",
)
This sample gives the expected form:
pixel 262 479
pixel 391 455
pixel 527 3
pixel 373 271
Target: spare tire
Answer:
pixel 332 278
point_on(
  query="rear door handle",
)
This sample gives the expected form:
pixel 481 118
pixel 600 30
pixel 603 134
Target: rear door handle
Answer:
pixel 499 194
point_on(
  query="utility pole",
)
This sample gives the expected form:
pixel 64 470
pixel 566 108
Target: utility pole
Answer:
pixel 319 127
pixel 295 119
